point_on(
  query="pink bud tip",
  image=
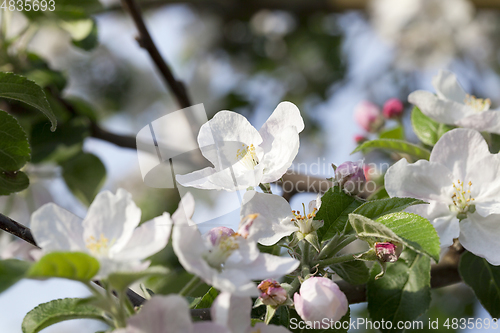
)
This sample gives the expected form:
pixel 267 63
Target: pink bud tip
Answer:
pixel 215 234
pixel 368 116
pixel 393 108
pixel 387 251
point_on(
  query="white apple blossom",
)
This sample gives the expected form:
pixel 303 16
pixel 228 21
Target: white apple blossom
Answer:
pixel 233 312
pixel 275 217
pixel 453 106
pixel 242 156
pixel 108 232
pixel 227 260
pixel 168 314
pixel 461 182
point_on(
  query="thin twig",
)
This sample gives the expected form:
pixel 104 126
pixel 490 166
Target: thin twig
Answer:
pixel 146 42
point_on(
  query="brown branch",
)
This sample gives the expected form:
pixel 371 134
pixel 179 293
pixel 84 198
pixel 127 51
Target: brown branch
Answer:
pixel 294 183
pixel 146 42
pixel 123 141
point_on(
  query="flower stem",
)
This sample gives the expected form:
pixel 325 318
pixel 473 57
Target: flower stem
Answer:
pixel 306 267
pixel 266 188
pixel 190 286
pixel 294 287
pixel 336 260
pixel 335 246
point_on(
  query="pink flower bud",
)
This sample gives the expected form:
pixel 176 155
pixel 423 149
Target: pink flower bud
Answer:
pixel 216 234
pixel 351 177
pixel 393 108
pixel 360 138
pixel 387 251
pixel 320 298
pixel 368 116
pixel 272 293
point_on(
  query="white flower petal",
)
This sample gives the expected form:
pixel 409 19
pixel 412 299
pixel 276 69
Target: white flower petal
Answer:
pixel 448 87
pixel 189 247
pixel 149 238
pixel 285 115
pixel 232 312
pixel 112 216
pixel 234 281
pixel 185 210
pixel 199 179
pixel 112 265
pixel 56 229
pixel 459 150
pixel 444 221
pixel 422 180
pixel 226 127
pixel 282 152
pixel 229 179
pixel 485 121
pixel 274 220
pixel 479 235
pixel 267 266
pixel 163 314
pixel 235 180
pixel 443 111
pixel 209 327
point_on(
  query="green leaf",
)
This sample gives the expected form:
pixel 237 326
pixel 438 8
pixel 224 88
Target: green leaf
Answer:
pixel 14 146
pixel 412 230
pixel 380 193
pixel 484 279
pixel 353 272
pixel 207 300
pixel 11 271
pixel 281 317
pixel 56 311
pixel 426 129
pixel 377 208
pixel 403 294
pixel 67 265
pixel 399 146
pixel 11 182
pixel 14 153
pixel 494 143
pixel 84 174
pixel 336 205
pixel 393 133
pixel 121 280
pixel 61 145
pixel 19 88
pixel 90 41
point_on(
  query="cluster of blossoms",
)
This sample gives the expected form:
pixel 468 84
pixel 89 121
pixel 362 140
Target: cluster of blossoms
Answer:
pixel 227 260
pixel 370 118
pixel 460 182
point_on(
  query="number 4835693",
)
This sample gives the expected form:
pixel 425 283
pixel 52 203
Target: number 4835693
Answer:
pixel 28 5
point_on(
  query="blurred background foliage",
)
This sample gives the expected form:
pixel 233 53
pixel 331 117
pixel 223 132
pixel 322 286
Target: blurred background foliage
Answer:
pixel 324 55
